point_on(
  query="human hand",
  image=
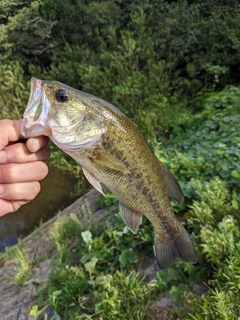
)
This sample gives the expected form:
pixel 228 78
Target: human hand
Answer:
pixel 21 166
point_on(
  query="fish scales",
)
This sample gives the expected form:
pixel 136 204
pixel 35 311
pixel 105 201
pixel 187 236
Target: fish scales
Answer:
pixel 139 189
pixel 111 150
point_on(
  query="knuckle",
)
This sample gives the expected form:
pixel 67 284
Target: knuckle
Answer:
pixel 6 173
pixel 15 191
pixel 9 173
pixel 21 154
pixel 17 153
pixel 4 124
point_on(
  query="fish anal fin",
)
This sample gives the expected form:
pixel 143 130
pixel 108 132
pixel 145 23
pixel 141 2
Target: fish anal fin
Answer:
pixel 174 189
pixel 167 250
pixel 109 161
pixel 131 218
pixel 92 179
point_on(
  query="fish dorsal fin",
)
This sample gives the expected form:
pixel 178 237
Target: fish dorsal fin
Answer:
pixel 109 161
pixel 174 189
pixel 93 180
pixel 131 218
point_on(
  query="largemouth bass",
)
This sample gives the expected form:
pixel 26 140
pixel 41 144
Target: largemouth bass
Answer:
pixel 111 150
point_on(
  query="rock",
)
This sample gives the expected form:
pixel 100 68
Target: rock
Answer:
pixel 166 302
pixel 199 289
pixel 148 268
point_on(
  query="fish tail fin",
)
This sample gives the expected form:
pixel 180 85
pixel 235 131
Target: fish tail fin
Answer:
pixel 168 250
pixel 165 252
pixel 185 248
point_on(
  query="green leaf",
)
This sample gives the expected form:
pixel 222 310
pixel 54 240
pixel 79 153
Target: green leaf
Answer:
pixel 224 173
pixel 90 265
pixel 177 292
pixel 128 256
pixel 220 151
pixel 73 311
pixel 87 237
pixel 235 174
pixel 235 204
pixel 169 275
pixel 84 258
pixel 34 311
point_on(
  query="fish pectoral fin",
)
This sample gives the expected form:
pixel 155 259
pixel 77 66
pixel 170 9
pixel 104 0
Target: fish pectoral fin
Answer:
pixel 174 189
pixel 93 180
pixel 109 161
pixel 131 218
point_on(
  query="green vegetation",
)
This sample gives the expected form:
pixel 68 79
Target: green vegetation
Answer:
pixel 150 58
pixel 172 67
pixel 21 270
pixel 93 264
pixel 88 278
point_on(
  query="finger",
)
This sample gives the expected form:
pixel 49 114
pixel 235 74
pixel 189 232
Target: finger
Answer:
pixel 19 153
pixel 7 206
pixel 38 143
pixel 9 131
pixel 25 191
pixel 23 172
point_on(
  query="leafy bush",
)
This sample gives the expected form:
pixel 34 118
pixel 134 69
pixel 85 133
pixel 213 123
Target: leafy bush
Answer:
pixel 150 58
pixel 13 90
pixel 203 152
pixel 206 145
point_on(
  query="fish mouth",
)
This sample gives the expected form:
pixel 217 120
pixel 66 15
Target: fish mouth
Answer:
pixel 33 129
pixel 36 114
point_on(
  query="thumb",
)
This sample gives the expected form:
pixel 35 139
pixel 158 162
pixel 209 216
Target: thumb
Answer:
pixel 9 132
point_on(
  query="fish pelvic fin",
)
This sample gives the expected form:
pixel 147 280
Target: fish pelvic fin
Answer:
pixel 92 179
pixel 131 218
pixel 179 246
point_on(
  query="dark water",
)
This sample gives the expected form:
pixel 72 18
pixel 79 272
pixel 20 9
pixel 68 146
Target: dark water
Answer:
pixel 54 195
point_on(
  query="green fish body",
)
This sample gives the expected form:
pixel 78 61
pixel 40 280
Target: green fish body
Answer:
pixel 111 150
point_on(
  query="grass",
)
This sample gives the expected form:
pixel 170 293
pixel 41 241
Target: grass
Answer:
pixel 21 271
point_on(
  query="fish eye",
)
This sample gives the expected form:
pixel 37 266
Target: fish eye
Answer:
pixel 62 95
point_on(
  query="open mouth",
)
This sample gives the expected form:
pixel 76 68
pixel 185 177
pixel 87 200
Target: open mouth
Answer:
pixel 36 114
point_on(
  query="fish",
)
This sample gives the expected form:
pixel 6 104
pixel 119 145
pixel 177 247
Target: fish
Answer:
pixel 113 152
